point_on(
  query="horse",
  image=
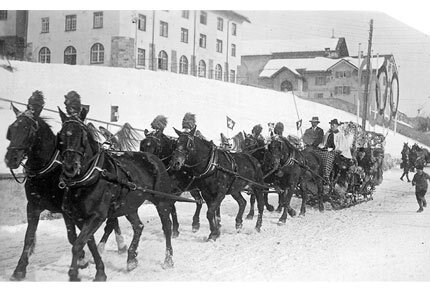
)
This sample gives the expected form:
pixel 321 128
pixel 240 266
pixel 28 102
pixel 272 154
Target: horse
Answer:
pixel 162 146
pixel 423 156
pixel 101 184
pixel 218 173
pixel 32 138
pixel 291 168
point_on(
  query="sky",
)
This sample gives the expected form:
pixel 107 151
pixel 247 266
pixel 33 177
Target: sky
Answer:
pixel 401 28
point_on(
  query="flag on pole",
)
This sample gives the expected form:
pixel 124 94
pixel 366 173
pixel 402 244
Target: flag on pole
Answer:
pixel 230 123
pixel 299 124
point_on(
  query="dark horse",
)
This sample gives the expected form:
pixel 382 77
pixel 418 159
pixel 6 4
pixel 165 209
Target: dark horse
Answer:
pixel 163 146
pixel 422 155
pixel 292 168
pixel 102 184
pixel 31 137
pixel 218 173
pixel 406 162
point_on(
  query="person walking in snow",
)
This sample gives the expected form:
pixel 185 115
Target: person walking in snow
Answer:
pixel 421 185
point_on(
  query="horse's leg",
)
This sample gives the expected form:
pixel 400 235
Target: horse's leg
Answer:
pixel 199 204
pixel 280 200
pixel 407 176
pixel 304 194
pixel 87 231
pixel 211 216
pixel 269 207
pixel 289 196
pixel 250 215
pixel 218 217
pixel 175 230
pixel 163 209
pixel 100 274
pixel 122 247
pixel 320 195
pixel 112 224
pixel 71 236
pixel 33 214
pixel 242 204
pixel 260 205
pixel 137 226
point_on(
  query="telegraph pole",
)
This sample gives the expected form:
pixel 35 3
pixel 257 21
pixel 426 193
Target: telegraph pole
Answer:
pixel 366 88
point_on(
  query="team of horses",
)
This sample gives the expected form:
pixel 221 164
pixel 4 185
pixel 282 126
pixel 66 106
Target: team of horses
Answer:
pixel 411 157
pixel 71 173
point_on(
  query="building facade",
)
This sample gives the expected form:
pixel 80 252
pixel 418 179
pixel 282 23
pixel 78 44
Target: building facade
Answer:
pixel 13 32
pixel 199 43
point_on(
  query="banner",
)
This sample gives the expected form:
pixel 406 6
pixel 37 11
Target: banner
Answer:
pixel 230 123
pixel 114 115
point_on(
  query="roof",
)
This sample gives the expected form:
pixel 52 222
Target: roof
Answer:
pixel 308 64
pixel 312 64
pixel 233 14
pixel 263 47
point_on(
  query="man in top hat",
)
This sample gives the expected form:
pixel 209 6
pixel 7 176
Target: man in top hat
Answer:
pixel 313 136
pixel 335 140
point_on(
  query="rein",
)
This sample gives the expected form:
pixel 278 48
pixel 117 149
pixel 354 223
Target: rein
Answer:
pixel 16 178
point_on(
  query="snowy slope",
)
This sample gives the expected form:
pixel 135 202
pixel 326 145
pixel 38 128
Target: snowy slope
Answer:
pixel 143 94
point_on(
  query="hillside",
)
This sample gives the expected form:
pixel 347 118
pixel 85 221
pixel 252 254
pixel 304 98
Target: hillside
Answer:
pixel 143 94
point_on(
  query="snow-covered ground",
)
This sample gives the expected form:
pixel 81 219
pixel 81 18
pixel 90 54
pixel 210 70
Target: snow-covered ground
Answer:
pixel 143 94
pixel 384 239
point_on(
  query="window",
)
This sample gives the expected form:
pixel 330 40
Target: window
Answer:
pixel 219 45
pixel 70 22
pixel 346 90
pixel 164 28
pixel 319 95
pixel 70 55
pixel 343 74
pixel 45 25
pixel 97 53
pixel 98 20
pixel 140 57
pixel 218 72
pixel 202 40
pixel 233 29
pixel 233 50
pixel 44 55
pixel 202 69
pixel 141 22
pixel 232 76
pixel 183 65
pixel 220 24
pixel 342 90
pixel 320 81
pixel 184 35
pixel 162 60
pixel 286 86
pixel 3 14
pixel 203 17
pixel 185 14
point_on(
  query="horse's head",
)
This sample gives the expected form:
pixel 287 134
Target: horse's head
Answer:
pixel 152 143
pixel 22 136
pixel 278 150
pixel 74 144
pixel 185 148
pixel 250 142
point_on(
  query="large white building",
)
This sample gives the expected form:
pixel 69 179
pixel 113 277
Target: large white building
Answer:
pixel 200 43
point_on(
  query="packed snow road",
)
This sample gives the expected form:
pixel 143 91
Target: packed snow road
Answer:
pixel 383 239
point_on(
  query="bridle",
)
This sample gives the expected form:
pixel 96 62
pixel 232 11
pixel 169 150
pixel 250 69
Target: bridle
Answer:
pixel 84 137
pixel 186 153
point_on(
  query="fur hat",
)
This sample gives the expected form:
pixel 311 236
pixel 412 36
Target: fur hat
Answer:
pixel 73 103
pixel 279 128
pixel 189 121
pixel 36 103
pixel 257 129
pixel 159 123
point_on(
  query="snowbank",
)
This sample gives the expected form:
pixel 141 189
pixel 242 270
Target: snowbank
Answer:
pixel 143 94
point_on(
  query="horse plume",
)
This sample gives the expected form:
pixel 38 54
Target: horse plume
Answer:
pixel 159 123
pixel 257 129
pixel 189 121
pixel 73 103
pixel 35 103
pixel 128 138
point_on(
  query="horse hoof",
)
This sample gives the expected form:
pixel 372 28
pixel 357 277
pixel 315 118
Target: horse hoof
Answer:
pixel 74 279
pixel 18 276
pixel 279 209
pixel 131 265
pixel 196 228
pixel 292 212
pixel 168 263
pixel 249 216
pixel 82 264
pixel 239 227
pixel 100 278
pixel 270 207
pixel 175 234
pixel 282 222
pixel 123 250
pixel 302 214
pixel 257 229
